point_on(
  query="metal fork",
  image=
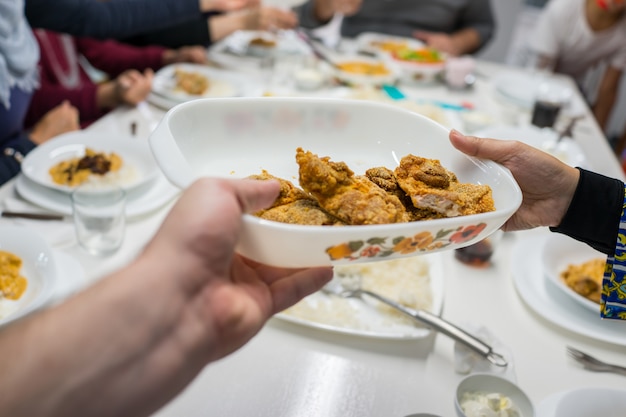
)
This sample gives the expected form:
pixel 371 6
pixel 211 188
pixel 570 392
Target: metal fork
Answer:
pixel 592 364
pixel 334 287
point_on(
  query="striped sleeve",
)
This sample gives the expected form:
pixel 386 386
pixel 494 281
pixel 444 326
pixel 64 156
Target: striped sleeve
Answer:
pixel 613 302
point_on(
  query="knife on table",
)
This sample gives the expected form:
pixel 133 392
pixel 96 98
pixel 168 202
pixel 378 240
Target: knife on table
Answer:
pixel 32 216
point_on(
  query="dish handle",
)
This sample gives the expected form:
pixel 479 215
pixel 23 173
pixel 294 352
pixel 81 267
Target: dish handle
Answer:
pixel 168 155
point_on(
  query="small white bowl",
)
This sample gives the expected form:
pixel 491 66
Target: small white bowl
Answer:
pixel 38 267
pixel 414 71
pixel 239 137
pixel 488 384
pixel 558 253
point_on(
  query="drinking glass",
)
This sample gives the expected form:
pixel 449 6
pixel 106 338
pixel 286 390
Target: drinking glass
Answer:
pixel 99 218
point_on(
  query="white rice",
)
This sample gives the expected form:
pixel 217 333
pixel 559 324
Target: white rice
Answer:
pixel 126 175
pixel 405 280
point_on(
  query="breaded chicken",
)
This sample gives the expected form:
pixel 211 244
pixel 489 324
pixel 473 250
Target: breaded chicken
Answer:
pixel 306 212
pixel 288 192
pixel 432 187
pixel 353 199
pixel 386 179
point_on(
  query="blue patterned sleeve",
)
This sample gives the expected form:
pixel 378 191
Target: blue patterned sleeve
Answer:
pixel 613 302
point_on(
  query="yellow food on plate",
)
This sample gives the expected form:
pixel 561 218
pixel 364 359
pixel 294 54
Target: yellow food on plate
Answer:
pixel 262 42
pixel 364 68
pixel 389 45
pixel 12 284
pixel 586 278
pixel 191 82
pixel 76 171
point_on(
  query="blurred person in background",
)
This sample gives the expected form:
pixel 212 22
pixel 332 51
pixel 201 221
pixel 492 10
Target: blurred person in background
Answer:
pixel 129 70
pixel 456 27
pixel 585 39
pixel 19 53
pixel 207 30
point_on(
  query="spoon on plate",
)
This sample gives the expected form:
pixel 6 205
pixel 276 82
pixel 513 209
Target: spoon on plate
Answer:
pixel 353 290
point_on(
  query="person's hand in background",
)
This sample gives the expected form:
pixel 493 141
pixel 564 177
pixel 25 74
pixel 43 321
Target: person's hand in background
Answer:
pixel 61 119
pixel 193 54
pixel 270 18
pixel 226 5
pixel 130 87
pixel 464 41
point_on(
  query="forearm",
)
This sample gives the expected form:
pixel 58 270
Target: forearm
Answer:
pixel 604 105
pixel 323 10
pixel 594 213
pixel 465 41
pixel 100 353
pixel 222 25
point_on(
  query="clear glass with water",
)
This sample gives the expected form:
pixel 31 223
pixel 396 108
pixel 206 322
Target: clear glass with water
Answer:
pixel 99 219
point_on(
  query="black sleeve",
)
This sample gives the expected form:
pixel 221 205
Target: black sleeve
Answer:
pixel 594 214
pixel 109 19
pixel 193 32
pixel 9 165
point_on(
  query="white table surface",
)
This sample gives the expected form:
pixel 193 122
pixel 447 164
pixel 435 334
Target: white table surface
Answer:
pixel 288 370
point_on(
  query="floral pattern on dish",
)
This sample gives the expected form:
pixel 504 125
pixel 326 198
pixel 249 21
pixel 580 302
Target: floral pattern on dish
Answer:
pixel 378 247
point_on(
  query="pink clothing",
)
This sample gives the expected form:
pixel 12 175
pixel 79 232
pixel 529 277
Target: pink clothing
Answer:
pixel 63 78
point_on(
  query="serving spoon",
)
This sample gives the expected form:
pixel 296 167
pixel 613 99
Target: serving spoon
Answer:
pixel 354 290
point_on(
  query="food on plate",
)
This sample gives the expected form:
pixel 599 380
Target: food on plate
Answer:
pixel 331 194
pixel 484 404
pixel 585 278
pixel 389 45
pixel 12 283
pixel 421 55
pixel 294 206
pixel 262 42
pixel 406 281
pixel 364 68
pixel 191 82
pixel 353 199
pixel 76 171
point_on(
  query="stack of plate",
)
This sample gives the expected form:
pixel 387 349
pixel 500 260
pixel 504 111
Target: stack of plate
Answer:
pixel 221 83
pixel 146 187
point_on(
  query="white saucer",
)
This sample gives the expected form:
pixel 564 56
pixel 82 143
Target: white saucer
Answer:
pixel 138 203
pixel 584 402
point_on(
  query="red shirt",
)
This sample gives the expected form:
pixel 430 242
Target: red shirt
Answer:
pixel 63 78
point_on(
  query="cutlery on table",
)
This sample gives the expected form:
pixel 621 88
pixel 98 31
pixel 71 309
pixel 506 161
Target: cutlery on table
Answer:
pixel 32 216
pixel 592 364
pixel 335 287
pixel 314 48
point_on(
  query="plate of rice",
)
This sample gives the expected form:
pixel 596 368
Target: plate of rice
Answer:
pixel 100 161
pixel 416 283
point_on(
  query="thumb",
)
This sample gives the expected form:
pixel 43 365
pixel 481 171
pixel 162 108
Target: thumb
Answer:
pixel 493 149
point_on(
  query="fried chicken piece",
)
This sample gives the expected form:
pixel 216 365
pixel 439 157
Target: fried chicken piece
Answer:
pixel 306 212
pixel 353 199
pixel 386 179
pixel 288 192
pixel 432 187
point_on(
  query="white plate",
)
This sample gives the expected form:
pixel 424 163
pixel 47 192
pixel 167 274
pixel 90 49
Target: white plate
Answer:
pixel 521 88
pixel 561 251
pixel 234 49
pixel 138 164
pixel 38 267
pixel 222 83
pixel 235 138
pixel 137 203
pixel 567 150
pixel 370 322
pixel 552 304
pixel 584 402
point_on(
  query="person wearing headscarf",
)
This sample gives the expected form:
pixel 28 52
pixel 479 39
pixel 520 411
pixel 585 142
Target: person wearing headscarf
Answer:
pixel 19 55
